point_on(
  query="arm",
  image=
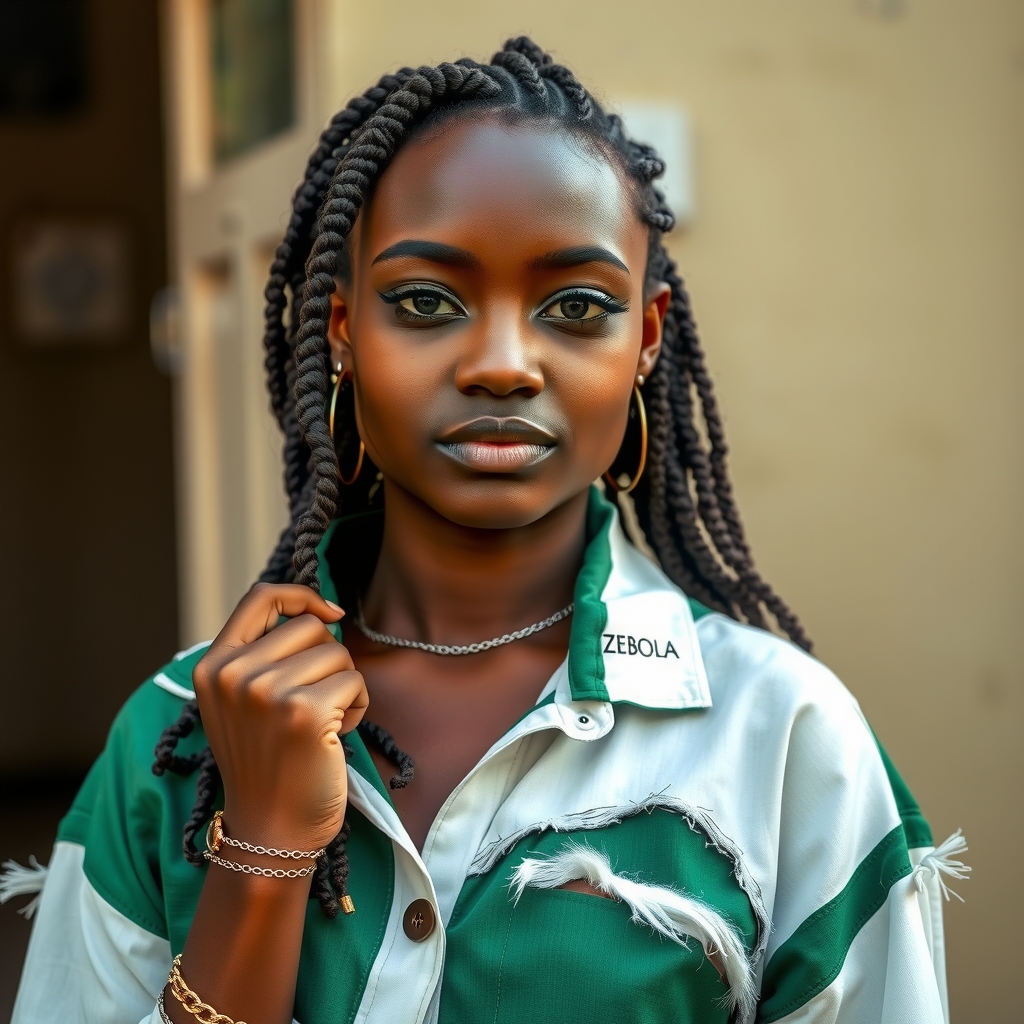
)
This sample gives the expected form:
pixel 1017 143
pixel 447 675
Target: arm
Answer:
pixel 849 945
pixel 274 700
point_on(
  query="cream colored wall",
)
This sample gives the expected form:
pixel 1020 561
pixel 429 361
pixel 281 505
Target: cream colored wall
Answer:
pixel 856 267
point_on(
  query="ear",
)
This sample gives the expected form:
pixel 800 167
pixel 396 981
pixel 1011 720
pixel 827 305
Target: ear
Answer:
pixel 654 319
pixel 338 336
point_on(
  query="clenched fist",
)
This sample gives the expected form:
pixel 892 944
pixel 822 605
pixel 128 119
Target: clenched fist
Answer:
pixel 274 699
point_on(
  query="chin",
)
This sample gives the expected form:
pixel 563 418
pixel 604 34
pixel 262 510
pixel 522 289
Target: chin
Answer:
pixel 500 503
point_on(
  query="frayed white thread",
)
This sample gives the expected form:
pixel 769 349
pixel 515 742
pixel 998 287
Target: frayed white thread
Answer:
pixel 698 819
pixel 18 880
pixel 667 912
pixel 940 862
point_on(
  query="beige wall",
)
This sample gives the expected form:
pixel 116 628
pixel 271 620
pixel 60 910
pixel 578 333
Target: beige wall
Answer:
pixel 856 266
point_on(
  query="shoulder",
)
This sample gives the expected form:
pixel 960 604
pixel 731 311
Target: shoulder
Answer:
pixel 129 754
pixel 808 728
pixel 159 700
pixel 154 706
pixel 752 671
pixel 129 751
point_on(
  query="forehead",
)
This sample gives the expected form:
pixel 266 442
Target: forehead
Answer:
pixel 483 177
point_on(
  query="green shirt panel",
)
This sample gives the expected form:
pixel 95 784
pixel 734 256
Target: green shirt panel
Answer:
pixel 919 833
pixel 576 958
pixel 812 957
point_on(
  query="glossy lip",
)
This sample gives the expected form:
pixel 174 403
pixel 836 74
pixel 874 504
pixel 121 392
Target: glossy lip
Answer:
pixel 497 444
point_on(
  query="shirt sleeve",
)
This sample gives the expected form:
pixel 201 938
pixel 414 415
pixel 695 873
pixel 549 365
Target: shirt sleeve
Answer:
pixel 86 962
pixel 850 944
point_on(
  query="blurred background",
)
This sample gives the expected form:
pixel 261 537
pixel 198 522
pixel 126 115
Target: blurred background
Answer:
pixel 848 176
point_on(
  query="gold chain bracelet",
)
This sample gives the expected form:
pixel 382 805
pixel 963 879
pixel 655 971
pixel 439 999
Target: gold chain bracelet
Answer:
pixel 193 1004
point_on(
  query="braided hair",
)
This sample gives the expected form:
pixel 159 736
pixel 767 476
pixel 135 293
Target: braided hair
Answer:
pixel 684 503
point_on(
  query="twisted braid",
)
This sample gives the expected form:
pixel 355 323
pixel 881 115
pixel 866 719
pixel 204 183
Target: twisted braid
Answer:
pixel 164 757
pixel 291 254
pixel 575 92
pixel 529 49
pixel 207 788
pixel 380 739
pixel 523 69
pixel 684 503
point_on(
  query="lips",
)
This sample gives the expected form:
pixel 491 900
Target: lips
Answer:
pixel 497 444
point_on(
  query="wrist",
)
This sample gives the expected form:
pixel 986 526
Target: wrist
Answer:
pixel 244 857
pixel 269 832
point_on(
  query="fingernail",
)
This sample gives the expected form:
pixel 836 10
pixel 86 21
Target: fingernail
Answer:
pixel 335 607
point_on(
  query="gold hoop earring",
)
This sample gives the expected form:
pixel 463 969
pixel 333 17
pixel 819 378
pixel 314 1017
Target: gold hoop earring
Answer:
pixel 608 478
pixel 338 378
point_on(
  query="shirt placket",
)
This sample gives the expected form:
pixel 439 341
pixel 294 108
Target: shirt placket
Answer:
pixel 404 983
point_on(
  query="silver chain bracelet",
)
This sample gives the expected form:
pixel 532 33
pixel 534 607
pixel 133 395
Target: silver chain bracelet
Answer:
pixel 252 869
pixel 215 838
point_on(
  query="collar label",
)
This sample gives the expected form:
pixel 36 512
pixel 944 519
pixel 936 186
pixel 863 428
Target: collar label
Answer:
pixel 650 652
pixel 618 643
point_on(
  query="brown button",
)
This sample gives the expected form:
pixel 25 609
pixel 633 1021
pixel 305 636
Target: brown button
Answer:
pixel 419 920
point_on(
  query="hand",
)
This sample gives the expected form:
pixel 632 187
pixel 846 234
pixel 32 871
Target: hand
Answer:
pixel 273 700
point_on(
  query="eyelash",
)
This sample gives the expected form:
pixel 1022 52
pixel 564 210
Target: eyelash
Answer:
pixel 607 304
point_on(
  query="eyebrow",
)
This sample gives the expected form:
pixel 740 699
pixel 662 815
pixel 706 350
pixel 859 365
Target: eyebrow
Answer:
pixel 432 252
pixel 576 256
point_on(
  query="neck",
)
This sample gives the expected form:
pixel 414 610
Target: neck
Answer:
pixel 439 582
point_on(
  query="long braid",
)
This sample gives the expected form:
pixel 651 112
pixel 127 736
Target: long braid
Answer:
pixel 287 273
pixel 684 503
pixel 291 254
pixel 164 757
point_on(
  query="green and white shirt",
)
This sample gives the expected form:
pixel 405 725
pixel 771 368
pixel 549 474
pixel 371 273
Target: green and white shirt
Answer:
pixel 720 784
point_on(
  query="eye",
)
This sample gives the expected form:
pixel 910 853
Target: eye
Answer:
pixel 424 305
pixel 427 304
pixel 581 306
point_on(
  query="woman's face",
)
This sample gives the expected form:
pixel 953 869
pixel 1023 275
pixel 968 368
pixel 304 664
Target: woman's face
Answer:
pixel 495 321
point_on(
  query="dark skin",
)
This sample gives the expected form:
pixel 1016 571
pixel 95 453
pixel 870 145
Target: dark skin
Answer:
pixel 492 381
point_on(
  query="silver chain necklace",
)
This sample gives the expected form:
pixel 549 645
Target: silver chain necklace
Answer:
pixel 484 645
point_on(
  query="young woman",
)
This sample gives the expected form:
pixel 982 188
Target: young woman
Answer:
pixel 631 800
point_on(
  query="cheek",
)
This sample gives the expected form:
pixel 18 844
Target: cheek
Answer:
pixel 594 395
pixel 386 397
pixel 390 411
pixel 397 384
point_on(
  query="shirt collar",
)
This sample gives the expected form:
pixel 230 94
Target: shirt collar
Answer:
pixel 633 638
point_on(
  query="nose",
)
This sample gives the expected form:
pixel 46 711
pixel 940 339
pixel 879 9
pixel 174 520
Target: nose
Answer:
pixel 499 359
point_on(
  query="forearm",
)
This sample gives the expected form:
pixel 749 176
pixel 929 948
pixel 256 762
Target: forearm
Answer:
pixel 242 952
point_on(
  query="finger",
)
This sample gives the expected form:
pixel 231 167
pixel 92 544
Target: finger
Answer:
pixel 292 637
pixel 258 612
pixel 304 668
pixel 340 700
pixel 235 666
